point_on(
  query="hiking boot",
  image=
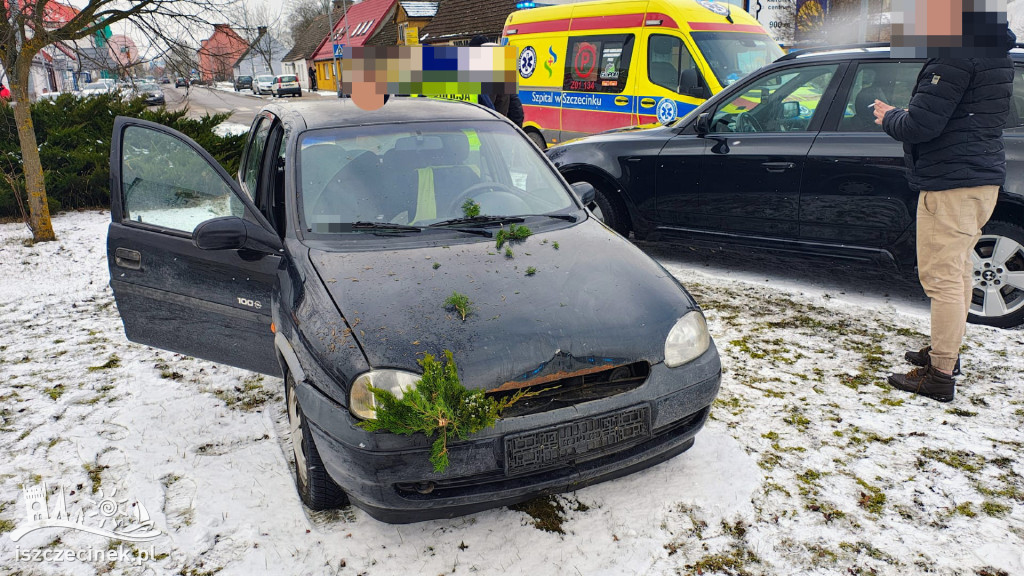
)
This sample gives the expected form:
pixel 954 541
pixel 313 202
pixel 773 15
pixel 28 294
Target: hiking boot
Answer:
pixel 923 358
pixel 926 381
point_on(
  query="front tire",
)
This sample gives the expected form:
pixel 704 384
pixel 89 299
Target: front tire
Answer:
pixel 316 489
pixel 998 276
pixel 609 209
pixel 537 139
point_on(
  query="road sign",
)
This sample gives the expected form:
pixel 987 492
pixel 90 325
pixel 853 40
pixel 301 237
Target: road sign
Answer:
pixel 339 50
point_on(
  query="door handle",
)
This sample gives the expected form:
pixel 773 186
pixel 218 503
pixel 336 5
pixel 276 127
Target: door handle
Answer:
pixel 777 167
pixel 633 159
pixel 126 258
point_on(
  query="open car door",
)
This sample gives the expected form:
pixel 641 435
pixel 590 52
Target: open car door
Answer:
pixel 211 304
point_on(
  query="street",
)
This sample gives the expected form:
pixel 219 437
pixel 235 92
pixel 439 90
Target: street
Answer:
pixel 203 100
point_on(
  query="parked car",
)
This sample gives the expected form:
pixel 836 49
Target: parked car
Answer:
pixel 180 82
pixel 285 84
pixel 165 80
pixel 262 84
pixel 243 82
pixel 151 92
pixel 328 263
pixel 791 159
pixel 94 88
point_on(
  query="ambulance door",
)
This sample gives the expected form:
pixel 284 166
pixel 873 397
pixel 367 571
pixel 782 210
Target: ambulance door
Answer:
pixel 598 89
pixel 669 82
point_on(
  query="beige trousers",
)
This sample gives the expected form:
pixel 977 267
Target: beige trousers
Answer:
pixel 949 224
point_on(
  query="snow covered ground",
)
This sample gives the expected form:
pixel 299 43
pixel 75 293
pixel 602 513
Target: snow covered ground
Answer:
pixel 810 464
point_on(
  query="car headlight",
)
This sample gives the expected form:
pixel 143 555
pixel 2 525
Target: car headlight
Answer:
pixel 687 340
pixel 361 400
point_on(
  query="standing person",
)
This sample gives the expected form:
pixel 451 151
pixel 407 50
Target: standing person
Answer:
pixel 312 79
pixel 953 147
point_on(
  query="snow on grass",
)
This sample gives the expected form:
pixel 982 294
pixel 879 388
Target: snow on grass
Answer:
pixel 230 129
pixel 809 464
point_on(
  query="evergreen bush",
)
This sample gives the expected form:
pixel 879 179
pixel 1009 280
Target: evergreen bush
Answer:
pixel 73 135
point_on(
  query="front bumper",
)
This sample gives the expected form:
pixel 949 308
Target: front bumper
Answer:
pixel 390 476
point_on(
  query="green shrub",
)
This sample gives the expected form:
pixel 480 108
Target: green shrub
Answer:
pixel 73 135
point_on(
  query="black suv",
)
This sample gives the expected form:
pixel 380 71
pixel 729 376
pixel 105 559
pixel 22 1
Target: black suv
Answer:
pixel 243 82
pixel 790 158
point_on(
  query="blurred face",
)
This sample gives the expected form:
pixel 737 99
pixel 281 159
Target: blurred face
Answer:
pixel 950 28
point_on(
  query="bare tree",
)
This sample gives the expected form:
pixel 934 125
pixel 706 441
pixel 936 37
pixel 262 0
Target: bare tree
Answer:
pixel 303 13
pixel 260 24
pixel 29 26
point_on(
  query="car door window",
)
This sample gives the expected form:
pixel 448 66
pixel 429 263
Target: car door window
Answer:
pixel 254 156
pixel 1016 116
pixel 890 82
pixel 598 63
pixel 784 101
pixel 168 184
pixel 670 65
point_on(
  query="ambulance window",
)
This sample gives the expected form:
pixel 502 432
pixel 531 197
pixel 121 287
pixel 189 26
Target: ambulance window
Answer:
pixel 670 65
pixel 598 63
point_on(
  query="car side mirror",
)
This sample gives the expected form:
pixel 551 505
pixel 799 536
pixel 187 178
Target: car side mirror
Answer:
pixel 234 233
pixel 703 124
pixel 585 191
pixel 790 110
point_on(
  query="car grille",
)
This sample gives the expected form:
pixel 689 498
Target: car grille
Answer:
pixel 500 481
pixel 575 389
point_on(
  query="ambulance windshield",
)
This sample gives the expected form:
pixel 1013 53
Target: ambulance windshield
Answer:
pixel 733 55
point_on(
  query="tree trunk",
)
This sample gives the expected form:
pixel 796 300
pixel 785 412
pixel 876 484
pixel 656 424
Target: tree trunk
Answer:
pixel 35 184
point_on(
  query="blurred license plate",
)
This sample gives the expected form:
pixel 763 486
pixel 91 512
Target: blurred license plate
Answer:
pixel 576 441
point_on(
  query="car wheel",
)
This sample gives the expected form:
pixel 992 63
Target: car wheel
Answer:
pixel 998 259
pixel 316 489
pixel 609 209
pixel 537 139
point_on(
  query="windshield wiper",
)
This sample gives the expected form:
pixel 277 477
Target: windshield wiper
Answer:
pixel 381 226
pixel 477 220
pixel 566 217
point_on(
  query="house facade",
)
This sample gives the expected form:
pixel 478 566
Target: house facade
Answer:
pixel 264 56
pixel 299 59
pixel 360 23
pixel 219 53
pixel 410 17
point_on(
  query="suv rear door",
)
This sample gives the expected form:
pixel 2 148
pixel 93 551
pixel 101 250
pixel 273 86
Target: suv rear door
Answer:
pixel 170 294
pixel 855 188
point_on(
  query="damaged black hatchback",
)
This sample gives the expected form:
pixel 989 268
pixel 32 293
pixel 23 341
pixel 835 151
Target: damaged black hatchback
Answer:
pixel 329 261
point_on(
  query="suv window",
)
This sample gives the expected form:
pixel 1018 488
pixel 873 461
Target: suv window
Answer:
pixel 598 63
pixel 670 65
pixel 1016 116
pixel 783 101
pixel 890 82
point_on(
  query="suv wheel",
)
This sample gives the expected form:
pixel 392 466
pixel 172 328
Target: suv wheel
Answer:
pixel 609 209
pixel 316 489
pixel 999 276
pixel 537 139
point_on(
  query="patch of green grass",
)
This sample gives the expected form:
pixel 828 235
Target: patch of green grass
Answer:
pixel 769 460
pixel 470 209
pixel 995 509
pixel 554 245
pixel 459 303
pixel 436 265
pixel 866 548
pixel 94 471
pixel 892 401
pixel 250 396
pixel 113 362
pixel 873 500
pixel 509 253
pixel 796 418
pixel 734 561
pixel 57 391
pixel 959 459
pixel 965 509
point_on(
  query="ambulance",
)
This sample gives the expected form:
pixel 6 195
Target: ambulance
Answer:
pixel 594 66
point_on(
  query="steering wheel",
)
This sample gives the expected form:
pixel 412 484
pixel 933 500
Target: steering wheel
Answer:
pixel 747 123
pixel 455 207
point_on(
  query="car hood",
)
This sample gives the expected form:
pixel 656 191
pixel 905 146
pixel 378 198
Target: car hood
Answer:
pixel 596 299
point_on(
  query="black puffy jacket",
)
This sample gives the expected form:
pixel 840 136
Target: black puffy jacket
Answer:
pixel 952 132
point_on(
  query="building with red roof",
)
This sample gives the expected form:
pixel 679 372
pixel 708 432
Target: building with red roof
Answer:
pixel 219 52
pixel 361 22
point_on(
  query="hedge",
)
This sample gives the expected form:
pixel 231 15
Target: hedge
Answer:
pixel 74 146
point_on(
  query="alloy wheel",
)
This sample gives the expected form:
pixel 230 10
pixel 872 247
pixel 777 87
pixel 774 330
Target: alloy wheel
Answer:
pixel 998 276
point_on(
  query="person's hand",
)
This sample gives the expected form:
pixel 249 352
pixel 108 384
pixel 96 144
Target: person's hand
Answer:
pixel 880 109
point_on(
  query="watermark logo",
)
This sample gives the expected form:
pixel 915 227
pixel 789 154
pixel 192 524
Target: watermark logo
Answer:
pixel 109 515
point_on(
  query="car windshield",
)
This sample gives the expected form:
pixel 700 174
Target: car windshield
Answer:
pixel 265 78
pixel 287 78
pixel 421 174
pixel 733 55
pixel 147 87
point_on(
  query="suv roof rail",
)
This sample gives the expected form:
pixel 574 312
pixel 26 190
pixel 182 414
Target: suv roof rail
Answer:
pixel 797 52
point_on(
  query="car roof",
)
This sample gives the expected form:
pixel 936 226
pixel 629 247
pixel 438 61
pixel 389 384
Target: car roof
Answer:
pixel 859 52
pixel 338 112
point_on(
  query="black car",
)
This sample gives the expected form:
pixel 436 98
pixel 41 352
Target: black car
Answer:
pixel 329 262
pixel 180 82
pixel 790 158
pixel 243 82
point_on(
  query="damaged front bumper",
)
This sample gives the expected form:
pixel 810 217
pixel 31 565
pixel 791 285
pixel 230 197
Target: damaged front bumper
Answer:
pixel 390 476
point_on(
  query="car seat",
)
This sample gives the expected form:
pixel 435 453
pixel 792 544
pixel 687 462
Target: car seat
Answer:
pixel 352 194
pixel 445 178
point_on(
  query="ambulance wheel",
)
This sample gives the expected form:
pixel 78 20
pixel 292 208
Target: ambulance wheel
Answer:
pixel 537 139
